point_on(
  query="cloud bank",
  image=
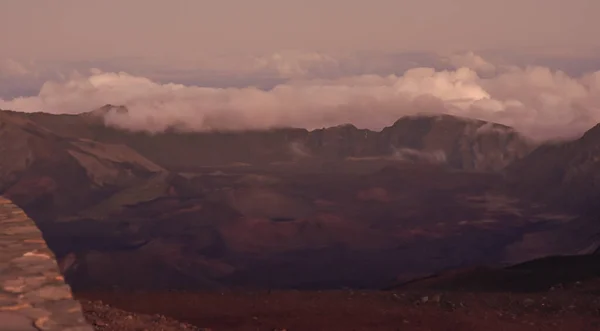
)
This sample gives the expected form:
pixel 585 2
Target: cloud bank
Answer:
pixel 538 101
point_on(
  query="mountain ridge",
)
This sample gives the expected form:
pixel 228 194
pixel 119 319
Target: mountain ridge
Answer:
pixel 466 144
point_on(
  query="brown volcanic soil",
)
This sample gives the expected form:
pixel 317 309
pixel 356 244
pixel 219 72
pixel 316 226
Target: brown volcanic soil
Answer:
pixel 362 310
pixel 106 318
pixel 558 293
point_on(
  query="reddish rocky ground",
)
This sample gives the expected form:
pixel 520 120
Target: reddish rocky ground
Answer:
pixel 105 317
pixel 563 309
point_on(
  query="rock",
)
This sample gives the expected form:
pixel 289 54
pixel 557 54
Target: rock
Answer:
pixel 34 313
pixel 20 230
pixel 33 295
pixel 23 284
pixel 59 292
pixel 70 306
pixel 448 305
pixel 424 299
pixel 557 287
pixel 45 324
pixel 528 302
pixel 99 323
pixel 8 300
pixel 15 322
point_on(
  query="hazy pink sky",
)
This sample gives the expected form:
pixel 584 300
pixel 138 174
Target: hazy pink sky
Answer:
pixel 177 29
pixel 232 64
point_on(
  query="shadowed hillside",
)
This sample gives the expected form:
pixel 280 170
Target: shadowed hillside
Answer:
pixel 565 173
pixel 54 175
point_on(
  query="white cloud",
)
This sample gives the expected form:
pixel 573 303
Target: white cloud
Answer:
pixel 537 101
pixel 472 61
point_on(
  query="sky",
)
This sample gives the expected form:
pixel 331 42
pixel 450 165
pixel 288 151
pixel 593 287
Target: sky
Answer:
pixel 75 29
pixel 235 64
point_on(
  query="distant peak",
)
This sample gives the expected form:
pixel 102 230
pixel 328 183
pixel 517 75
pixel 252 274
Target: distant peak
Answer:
pixel 447 118
pixel 345 126
pixel 593 133
pixel 107 109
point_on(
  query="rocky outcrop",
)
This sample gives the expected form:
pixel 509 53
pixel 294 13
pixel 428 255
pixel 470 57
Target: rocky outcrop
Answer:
pixel 33 294
pixel 460 143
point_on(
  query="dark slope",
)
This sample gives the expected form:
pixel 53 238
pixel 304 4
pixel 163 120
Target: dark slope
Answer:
pixel 49 174
pixel 565 174
pixel 538 275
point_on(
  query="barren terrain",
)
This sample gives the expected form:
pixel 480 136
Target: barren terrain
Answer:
pixel 301 230
pixel 362 310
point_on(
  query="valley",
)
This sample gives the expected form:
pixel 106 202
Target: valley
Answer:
pixel 295 210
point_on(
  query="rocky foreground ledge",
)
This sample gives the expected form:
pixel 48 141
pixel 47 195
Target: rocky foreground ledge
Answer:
pixel 33 294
